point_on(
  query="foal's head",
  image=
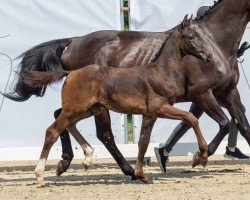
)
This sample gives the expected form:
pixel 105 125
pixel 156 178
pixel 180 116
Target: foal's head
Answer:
pixel 191 40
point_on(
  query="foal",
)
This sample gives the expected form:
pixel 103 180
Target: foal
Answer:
pixel 150 92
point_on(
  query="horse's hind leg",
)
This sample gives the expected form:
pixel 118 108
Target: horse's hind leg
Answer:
pixel 169 112
pixel 86 147
pixel 52 135
pixel 105 135
pixel 146 129
pixel 67 151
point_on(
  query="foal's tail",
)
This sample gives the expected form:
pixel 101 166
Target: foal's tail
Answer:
pixel 38 79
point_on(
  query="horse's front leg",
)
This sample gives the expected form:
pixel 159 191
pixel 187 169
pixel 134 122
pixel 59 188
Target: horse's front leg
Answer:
pixel 105 135
pixel 67 151
pixel 237 111
pixel 86 147
pixel 146 129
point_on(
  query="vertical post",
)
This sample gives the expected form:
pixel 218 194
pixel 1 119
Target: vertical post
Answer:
pixel 122 18
pixel 122 14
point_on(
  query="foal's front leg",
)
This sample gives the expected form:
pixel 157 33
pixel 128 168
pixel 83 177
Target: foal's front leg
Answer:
pixel 86 147
pixel 170 112
pixel 146 129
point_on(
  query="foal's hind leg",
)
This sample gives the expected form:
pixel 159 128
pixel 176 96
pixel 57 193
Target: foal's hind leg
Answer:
pixel 52 135
pixel 86 147
pixel 168 111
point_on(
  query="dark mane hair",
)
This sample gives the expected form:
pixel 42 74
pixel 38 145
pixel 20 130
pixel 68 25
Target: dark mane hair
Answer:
pixel 208 11
pixel 157 55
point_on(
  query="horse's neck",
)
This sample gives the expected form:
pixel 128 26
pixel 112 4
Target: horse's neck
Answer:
pixel 225 25
pixel 169 61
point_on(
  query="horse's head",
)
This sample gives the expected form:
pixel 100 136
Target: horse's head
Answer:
pixel 192 42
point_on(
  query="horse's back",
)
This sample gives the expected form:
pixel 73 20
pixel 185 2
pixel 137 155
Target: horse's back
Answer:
pixel 113 48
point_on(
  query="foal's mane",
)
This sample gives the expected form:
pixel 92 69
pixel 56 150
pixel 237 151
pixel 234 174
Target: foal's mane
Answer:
pixel 157 55
pixel 208 11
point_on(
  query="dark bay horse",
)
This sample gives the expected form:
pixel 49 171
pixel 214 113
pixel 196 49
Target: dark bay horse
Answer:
pixel 209 86
pixel 149 91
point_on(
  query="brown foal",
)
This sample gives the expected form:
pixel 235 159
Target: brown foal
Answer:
pixel 150 92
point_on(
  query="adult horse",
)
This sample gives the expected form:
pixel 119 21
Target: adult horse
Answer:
pixel 208 85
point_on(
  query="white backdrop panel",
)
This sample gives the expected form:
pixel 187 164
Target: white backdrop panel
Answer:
pixel 30 22
pixel 161 15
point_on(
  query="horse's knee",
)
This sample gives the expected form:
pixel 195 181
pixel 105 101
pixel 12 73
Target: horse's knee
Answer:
pixel 225 126
pixel 57 113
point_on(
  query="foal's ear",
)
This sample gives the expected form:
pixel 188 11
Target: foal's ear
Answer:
pixel 186 21
pixel 190 19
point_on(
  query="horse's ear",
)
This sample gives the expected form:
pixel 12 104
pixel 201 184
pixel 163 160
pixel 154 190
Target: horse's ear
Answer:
pixel 185 22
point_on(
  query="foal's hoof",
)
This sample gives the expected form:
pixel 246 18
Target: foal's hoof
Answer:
pixel 199 159
pixel 147 180
pixel 40 179
pixel 85 165
pixel 203 162
pixel 196 159
pixel 62 167
pixel 41 185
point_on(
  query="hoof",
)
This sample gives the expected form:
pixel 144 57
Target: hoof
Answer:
pixel 41 185
pixel 144 179
pixel 203 162
pixel 85 165
pixel 40 179
pixel 148 181
pixel 196 159
pixel 62 167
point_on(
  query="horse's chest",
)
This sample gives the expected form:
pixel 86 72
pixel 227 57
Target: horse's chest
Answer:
pixel 225 79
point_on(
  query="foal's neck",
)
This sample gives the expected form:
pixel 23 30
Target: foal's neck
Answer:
pixel 169 60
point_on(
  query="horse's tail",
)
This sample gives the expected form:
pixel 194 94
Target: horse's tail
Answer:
pixel 44 57
pixel 37 79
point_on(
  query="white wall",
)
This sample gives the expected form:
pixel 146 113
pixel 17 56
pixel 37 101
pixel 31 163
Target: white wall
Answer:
pixel 30 22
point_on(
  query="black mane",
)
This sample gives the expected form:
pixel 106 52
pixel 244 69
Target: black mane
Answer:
pixel 208 11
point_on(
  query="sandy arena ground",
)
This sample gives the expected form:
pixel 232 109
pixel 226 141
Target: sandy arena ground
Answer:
pixel 221 179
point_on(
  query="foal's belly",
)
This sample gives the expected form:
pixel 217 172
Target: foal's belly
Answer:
pixel 127 105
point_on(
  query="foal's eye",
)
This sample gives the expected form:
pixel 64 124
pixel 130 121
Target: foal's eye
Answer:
pixel 191 37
